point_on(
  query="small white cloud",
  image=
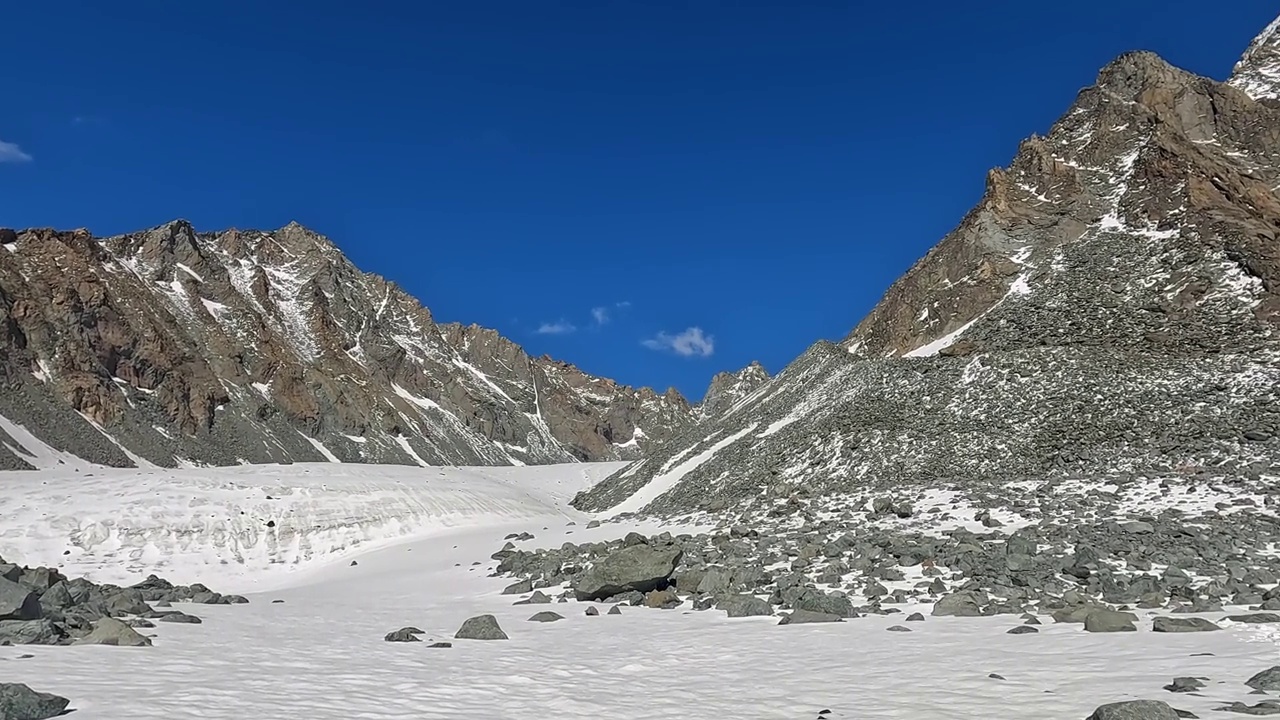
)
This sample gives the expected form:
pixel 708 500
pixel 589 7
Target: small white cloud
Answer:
pixel 560 327
pixel 690 343
pixel 600 315
pixel 11 153
pixel 623 305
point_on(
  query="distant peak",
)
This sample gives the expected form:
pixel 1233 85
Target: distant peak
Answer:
pixel 1258 72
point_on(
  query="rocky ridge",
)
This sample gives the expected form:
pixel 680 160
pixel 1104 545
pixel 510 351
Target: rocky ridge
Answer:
pixel 1108 312
pixel 729 388
pixel 172 345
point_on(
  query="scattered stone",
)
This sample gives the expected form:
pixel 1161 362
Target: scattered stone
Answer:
pixel 537 598
pixel 546 616
pixel 592 612
pixel 441 644
pixel 615 610
pixel 915 617
pixel 996 676
pixel 480 627
pixel 898 628
pixel 1022 630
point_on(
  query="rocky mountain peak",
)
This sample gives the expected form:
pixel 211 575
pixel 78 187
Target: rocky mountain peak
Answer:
pixel 727 388
pixel 1108 310
pixel 1258 71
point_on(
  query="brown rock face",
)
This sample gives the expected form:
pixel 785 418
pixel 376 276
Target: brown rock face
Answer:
pixel 1152 166
pixel 270 346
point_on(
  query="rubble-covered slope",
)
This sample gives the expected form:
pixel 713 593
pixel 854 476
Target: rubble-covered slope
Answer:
pixel 1110 307
pixel 171 346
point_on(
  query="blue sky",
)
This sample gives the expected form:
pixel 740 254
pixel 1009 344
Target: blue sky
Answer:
pixel 652 190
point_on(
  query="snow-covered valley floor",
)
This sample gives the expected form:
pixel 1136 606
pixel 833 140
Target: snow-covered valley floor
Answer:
pixel 320 654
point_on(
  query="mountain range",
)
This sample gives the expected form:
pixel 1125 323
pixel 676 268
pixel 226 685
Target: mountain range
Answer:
pixel 172 346
pixel 1108 310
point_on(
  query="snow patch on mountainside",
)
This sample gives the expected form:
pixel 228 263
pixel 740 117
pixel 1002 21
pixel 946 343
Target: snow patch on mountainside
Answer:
pixel 668 479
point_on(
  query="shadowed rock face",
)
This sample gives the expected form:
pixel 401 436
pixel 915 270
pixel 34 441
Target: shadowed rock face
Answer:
pixel 1109 308
pixel 254 346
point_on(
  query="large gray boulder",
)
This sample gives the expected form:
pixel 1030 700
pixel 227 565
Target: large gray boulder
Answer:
pixel 1182 625
pixel 30 632
pixel 801 617
pixel 1268 679
pixel 109 631
pixel 1102 621
pixel 1135 710
pixel 959 604
pixel 480 627
pixel 19 702
pixel 640 568
pixel 737 606
pixel 18 602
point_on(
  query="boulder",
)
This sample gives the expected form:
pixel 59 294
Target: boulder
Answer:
pixel 1135 710
pixel 662 599
pixel 1103 621
pixel 1268 679
pixel 518 588
pixel 640 567
pixel 31 632
pixel 480 627
pixel 404 634
pixel 546 616
pixel 109 631
pixel 736 606
pixel 18 602
pixel 19 702
pixel 958 604
pixel 1179 625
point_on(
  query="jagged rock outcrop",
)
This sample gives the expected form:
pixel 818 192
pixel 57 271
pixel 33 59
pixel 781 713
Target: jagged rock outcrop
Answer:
pixel 729 388
pixel 172 345
pixel 1109 309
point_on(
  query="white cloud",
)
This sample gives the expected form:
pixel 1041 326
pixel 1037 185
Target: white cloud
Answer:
pixel 690 343
pixel 600 315
pixel 560 327
pixel 10 152
pixel 623 305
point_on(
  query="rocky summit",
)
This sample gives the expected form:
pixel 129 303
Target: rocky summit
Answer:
pixel 1107 313
pixel 174 345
